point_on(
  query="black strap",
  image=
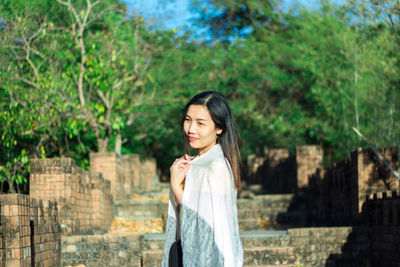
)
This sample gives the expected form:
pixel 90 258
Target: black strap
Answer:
pixel 175 258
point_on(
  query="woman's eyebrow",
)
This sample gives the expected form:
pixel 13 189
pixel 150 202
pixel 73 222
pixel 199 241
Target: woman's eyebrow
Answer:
pixel 200 119
pixel 197 119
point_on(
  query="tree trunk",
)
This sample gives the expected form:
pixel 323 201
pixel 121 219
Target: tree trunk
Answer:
pixel 118 144
pixel 11 188
pixel 102 144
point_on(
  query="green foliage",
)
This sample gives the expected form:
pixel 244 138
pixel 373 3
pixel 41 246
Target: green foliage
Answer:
pixel 295 78
pixel 308 80
pixel 229 20
pixel 15 171
pixel 72 75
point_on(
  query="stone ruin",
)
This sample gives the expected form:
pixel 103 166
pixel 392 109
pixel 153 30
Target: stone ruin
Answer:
pixel 342 211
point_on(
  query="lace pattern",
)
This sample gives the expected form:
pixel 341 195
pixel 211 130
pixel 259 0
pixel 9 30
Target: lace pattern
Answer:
pixel 198 245
pixel 170 238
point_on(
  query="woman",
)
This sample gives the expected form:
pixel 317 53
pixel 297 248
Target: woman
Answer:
pixel 202 210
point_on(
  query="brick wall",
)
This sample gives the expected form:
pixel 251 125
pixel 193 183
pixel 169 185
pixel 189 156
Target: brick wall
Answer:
pixel 30 233
pixel 255 166
pixel 148 174
pixel 382 210
pixel 332 193
pixel 45 230
pixel 127 174
pixel 280 172
pixel 276 172
pixel 308 160
pixel 101 206
pixel 130 170
pixel 107 164
pixel 336 194
pixel 373 175
pixel 84 199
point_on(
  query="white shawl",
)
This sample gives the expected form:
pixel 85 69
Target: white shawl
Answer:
pixel 209 223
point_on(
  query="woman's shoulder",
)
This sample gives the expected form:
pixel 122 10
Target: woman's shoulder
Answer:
pixel 213 157
pixel 218 164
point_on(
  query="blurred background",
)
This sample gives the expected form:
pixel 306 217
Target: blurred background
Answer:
pixel 94 76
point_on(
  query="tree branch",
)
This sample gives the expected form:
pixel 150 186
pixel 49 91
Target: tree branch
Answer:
pixel 78 36
pixel 362 137
pixel 108 106
pixel 27 49
pixel 28 82
pixel 32 131
pixel 395 10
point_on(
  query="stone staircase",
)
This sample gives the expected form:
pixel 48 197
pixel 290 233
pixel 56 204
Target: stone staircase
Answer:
pixel 271 212
pixel 272 234
pixel 255 212
pixel 294 247
pixel 261 248
pixel 267 248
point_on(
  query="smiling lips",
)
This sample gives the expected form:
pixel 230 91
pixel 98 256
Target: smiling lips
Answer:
pixel 192 139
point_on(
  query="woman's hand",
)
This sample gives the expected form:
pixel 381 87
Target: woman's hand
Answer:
pixel 178 172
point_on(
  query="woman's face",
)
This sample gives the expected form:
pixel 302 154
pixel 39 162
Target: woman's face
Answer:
pixel 200 128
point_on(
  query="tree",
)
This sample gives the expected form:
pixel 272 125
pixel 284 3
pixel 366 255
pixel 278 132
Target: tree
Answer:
pixel 75 73
pixel 378 21
pixel 228 20
pixel 307 81
pixel 91 64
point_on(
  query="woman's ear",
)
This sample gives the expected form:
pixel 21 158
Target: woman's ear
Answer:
pixel 219 131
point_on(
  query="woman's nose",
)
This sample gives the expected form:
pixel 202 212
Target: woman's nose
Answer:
pixel 192 128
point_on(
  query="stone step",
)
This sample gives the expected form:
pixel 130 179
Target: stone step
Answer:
pixel 269 213
pixel 249 224
pixel 151 258
pixel 259 244
pixel 320 231
pixel 249 239
pixel 153 241
pixel 261 213
pixel 252 224
pixel 259 256
pixel 257 212
pixel 140 210
pixel 329 241
pixel 272 238
pixel 269 255
pixel 270 197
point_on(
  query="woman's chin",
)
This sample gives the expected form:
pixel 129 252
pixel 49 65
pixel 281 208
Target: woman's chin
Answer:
pixel 193 146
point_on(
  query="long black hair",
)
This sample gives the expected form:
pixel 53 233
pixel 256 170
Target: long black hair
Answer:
pixel 222 116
